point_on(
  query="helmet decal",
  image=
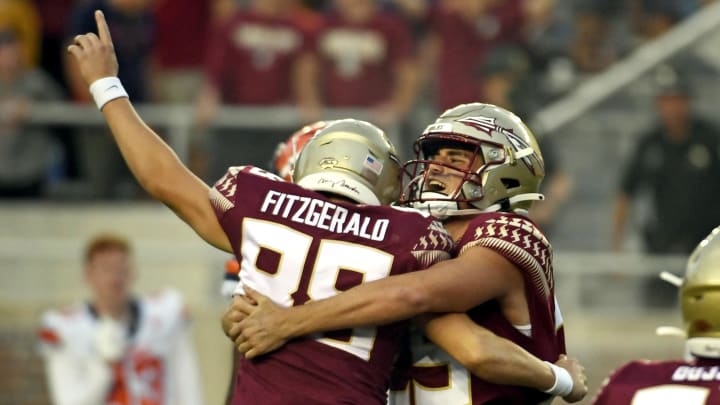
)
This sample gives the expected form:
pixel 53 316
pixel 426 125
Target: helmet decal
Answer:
pixel 485 124
pixel 489 125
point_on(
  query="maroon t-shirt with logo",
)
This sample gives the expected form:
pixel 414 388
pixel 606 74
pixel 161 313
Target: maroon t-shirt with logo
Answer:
pixel 250 58
pixel 295 245
pixel 436 378
pixel 358 61
pixel 464 46
pixel 663 382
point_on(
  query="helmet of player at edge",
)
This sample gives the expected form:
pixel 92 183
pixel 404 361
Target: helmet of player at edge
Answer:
pixel 700 298
pixel 353 159
pixel 287 152
pixel 511 169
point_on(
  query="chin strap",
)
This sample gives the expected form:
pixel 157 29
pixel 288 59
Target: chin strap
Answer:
pixel 671 278
pixel 673 331
pixel 704 347
pixel 514 200
pixel 444 207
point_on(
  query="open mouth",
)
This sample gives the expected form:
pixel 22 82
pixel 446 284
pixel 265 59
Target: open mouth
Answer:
pixel 433 185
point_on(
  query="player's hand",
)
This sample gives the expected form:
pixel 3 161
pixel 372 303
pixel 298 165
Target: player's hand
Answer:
pixel 233 315
pixel 261 330
pixel 577 372
pixel 95 54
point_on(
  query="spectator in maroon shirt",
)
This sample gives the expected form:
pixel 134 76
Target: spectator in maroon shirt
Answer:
pixel 177 55
pixel 255 58
pixel 366 60
pixel 462 32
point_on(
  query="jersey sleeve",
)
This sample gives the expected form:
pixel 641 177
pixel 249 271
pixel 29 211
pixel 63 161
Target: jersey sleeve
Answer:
pixel 222 193
pixel 48 338
pixel 72 379
pixel 433 246
pixel 56 330
pixel 519 241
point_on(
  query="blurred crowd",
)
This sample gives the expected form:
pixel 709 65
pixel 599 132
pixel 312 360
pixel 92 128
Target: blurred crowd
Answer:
pixel 391 57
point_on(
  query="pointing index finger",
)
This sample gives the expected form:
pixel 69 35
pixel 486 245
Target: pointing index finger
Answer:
pixel 103 30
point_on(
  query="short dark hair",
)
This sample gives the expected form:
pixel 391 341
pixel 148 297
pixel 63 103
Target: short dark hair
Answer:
pixel 104 243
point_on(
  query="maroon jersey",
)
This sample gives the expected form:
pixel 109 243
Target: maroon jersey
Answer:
pixel 180 48
pixel 663 382
pixel 251 58
pixel 295 245
pixel 436 378
pixel 358 61
pixel 464 46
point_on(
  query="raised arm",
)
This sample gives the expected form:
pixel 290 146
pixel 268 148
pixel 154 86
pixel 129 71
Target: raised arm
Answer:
pixel 152 162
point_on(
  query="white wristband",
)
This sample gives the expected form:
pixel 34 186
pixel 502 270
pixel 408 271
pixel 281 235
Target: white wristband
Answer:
pixel 106 89
pixel 563 381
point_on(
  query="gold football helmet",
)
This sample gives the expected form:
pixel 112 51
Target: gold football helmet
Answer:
pixel 351 158
pixel 511 164
pixel 287 152
pixel 700 298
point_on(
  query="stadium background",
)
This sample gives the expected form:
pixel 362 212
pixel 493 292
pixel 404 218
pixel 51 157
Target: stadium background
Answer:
pixel 610 305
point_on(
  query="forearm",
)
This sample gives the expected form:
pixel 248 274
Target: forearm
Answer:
pixel 363 305
pixel 450 286
pixel 486 355
pixel 509 364
pixel 147 155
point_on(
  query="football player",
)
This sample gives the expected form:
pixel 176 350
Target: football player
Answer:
pixel 295 242
pixel 479 169
pixel 693 381
pixel 285 235
pixel 118 349
pixel 283 162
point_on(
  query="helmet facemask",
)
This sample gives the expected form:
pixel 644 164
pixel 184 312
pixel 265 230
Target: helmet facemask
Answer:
pixel 424 171
pixel 504 173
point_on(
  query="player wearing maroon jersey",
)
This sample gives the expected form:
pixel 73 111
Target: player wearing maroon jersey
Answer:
pixel 283 162
pixel 480 170
pixel 295 244
pixel 286 235
pixel 695 381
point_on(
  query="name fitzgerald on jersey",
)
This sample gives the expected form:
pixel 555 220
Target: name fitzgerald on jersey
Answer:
pixel 323 215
